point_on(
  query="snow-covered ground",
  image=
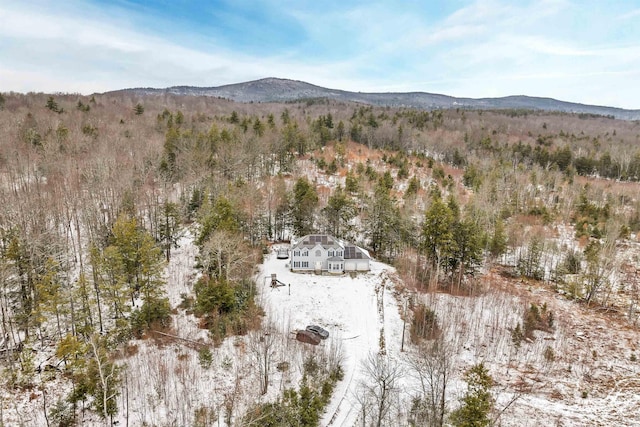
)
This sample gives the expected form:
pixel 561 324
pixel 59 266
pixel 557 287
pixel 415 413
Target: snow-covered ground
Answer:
pixel 581 372
pixel 166 382
pixel 355 309
pixel 592 378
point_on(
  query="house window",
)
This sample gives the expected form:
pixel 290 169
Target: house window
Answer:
pixel 318 253
pixel 296 264
pixel 338 253
pixel 330 253
pixel 305 264
pixel 296 253
pixel 305 253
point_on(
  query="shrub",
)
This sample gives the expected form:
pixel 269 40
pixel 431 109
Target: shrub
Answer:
pixel 203 417
pixel 205 357
pixel 424 324
pixel 403 172
pixel 438 173
pixel 332 168
pixel 311 366
pixel 304 406
pixel 549 354
pixel 282 366
pixel 227 363
pixel 214 296
pixel 537 318
pixel 321 163
pixel 62 415
pixel 138 109
pixel 301 408
pixel 225 307
pixel 541 211
pixel 412 187
pixel 154 311
pixel 529 261
pixel 534 318
pixel 186 301
pixel 472 177
pixel 572 262
pixel 90 130
pixel 517 336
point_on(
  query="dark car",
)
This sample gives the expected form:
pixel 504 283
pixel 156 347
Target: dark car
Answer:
pixel 318 330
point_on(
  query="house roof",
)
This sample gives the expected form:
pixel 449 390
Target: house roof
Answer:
pixel 354 252
pixel 327 241
pixel 335 258
pixel 311 240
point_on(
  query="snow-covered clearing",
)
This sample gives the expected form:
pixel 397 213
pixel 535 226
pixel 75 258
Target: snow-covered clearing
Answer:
pixel 590 380
pixel 584 372
pixel 580 373
pixel 359 311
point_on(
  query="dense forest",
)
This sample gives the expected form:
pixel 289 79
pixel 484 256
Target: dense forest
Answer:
pixel 97 191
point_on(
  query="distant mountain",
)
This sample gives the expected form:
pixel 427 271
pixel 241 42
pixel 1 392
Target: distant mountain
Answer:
pixel 281 90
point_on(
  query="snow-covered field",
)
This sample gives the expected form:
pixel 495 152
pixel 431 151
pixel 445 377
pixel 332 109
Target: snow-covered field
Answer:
pixel 581 373
pixel 356 310
pixel 167 383
pixel 593 377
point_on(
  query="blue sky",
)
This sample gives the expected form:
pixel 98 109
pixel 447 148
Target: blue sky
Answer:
pixel 576 50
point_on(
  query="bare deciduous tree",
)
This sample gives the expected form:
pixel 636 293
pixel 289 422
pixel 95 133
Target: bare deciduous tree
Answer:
pixel 226 256
pixel 262 345
pixel 432 365
pixel 379 390
pixel 106 390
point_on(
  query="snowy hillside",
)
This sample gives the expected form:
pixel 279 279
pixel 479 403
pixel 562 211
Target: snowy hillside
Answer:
pixel 360 312
pixel 589 378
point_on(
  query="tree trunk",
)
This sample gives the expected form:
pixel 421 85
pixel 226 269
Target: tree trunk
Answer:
pixel 97 290
pixel 44 406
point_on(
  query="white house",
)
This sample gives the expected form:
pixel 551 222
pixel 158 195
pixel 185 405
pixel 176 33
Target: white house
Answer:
pixel 322 252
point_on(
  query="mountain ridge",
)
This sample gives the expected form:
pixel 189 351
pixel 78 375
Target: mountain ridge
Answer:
pixel 273 89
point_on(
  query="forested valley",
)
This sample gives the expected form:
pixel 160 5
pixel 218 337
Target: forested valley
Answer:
pixel 100 196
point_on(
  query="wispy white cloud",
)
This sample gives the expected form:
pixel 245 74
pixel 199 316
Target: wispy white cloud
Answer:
pixel 484 48
pixel 69 53
pixel 32 26
pixel 630 15
pixel 547 46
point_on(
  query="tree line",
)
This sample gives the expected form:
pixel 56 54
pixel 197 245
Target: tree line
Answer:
pixel 96 192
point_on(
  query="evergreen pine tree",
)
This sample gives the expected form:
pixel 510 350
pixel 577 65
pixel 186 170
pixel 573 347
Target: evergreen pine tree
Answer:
pixel 477 403
pixel 138 109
